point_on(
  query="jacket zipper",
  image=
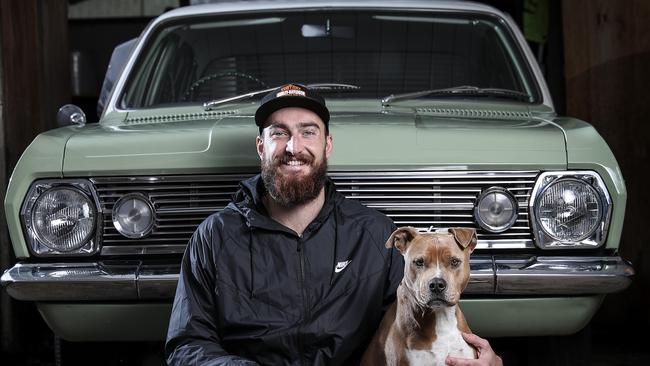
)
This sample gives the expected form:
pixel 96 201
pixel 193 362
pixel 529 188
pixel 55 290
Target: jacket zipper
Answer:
pixel 304 298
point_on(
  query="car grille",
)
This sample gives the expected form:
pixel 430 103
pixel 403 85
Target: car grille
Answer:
pixel 422 199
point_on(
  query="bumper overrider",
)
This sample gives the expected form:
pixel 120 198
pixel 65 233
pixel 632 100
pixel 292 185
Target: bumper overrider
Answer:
pixel 138 280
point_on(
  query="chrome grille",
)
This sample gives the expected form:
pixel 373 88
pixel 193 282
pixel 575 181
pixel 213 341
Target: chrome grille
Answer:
pixel 425 200
pixel 181 203
pixel 428 200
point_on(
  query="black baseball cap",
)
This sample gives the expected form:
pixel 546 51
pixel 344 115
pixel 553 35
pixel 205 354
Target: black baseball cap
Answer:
pixel 291 95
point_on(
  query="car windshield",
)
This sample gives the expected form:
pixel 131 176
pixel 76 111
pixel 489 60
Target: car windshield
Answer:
pixel 203 59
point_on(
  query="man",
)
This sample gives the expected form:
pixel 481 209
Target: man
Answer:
pixel 290 272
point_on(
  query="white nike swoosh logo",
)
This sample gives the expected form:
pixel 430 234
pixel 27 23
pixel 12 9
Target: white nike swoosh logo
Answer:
pixel 341 266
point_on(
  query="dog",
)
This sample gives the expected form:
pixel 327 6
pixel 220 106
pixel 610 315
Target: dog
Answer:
pixel 423 326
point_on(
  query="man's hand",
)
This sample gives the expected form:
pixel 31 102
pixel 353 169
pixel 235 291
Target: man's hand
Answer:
pixel 486 356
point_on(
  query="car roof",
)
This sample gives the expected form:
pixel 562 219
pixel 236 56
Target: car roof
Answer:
pixel 246 6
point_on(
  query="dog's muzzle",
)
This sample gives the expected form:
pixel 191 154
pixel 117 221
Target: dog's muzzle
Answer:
pixel 437 292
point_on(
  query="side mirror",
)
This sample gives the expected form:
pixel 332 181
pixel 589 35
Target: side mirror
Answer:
pixel 115 65
pixel 70 114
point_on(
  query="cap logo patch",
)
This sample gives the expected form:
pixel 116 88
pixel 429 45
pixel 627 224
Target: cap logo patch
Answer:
pixel 291 90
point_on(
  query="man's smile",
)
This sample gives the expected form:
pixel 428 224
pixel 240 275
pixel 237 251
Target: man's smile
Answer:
pixel 294 162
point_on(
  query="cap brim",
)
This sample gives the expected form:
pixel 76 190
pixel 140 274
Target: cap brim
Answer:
pixel 265 110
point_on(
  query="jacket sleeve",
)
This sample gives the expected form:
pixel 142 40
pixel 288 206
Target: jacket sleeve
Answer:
pixel 192 337
pixel 395 272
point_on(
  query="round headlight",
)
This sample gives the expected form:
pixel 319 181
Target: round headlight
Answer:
pixel 569 210
pixel 63 218
pixel 496 210
pixel 133 216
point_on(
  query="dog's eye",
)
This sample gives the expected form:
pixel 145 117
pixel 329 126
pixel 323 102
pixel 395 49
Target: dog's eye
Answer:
pixel 419 262
pixel 454 262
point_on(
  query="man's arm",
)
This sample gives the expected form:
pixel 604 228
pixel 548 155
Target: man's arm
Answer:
pixel 192 337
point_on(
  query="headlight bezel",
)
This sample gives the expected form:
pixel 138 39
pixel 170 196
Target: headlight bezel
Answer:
pixel 595 239
pixel 35 245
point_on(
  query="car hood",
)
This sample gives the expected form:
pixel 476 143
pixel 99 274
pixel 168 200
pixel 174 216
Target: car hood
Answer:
pixel 382 140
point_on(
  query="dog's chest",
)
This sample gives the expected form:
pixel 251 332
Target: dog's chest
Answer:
pixel 449 342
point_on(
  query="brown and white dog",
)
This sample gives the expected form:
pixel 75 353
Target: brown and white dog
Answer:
pixel 424 324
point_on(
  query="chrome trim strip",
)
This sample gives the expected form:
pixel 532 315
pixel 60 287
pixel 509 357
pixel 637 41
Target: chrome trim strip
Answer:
pixel 442 183
pixel 143 187
pixel 143 249
pixel 505 244
pixel 171 178
pixel 494 174
pixel 436 174
pixel 420 206
pixel 490 275
pixel 188 210
pixel 180 248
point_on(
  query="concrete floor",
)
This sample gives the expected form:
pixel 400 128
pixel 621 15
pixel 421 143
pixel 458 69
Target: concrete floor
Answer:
pixel 595 346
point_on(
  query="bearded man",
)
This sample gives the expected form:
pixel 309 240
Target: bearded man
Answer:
pixel 290 272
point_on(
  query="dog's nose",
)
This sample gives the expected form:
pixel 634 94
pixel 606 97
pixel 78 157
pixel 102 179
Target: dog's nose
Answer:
pixel 438 285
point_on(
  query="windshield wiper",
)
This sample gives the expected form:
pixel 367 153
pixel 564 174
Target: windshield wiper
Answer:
pixel 463 90
pixel 325 87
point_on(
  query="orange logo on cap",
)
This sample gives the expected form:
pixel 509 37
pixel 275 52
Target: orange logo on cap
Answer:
pixel 290 89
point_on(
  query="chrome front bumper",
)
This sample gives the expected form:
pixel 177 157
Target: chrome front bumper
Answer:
pixel 490 275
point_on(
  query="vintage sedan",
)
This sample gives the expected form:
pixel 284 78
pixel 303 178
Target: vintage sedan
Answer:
pixel 440 117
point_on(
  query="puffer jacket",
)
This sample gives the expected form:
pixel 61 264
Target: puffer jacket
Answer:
pixel 253 291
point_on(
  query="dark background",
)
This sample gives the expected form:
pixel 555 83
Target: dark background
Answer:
pixel 596 60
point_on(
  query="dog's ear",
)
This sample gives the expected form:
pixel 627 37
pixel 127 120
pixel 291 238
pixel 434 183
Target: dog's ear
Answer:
pixel 465 237
pixel 401 238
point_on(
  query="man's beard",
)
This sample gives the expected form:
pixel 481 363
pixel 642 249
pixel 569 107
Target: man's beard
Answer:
pixel 291 190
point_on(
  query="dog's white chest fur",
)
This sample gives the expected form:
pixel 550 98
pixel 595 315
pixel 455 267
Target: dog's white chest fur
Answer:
pixel 448 342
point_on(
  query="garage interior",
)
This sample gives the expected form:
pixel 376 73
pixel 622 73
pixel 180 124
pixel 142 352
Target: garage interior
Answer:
pixel 594 53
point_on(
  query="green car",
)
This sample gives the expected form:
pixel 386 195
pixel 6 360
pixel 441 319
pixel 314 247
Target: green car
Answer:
pixel 440 118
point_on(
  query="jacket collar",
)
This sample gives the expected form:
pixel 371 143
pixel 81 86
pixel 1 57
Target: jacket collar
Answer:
pixel 248 202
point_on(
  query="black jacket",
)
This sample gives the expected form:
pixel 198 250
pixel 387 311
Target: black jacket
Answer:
pixel 252 289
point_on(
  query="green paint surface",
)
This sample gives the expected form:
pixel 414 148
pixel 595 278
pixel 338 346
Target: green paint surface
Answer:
pixel 486 317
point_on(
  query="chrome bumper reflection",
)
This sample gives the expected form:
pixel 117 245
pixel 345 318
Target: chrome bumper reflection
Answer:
pixel 490 275
pixel 529 275
pixel 118 280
